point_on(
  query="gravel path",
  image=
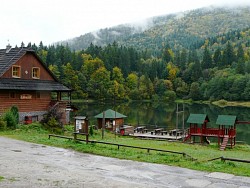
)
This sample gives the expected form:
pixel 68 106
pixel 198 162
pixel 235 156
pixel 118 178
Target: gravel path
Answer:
pixel 24 164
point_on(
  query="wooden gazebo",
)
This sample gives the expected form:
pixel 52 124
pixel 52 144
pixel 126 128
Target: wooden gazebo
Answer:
pixel 197 125
pixel 111 119
pixel 226 130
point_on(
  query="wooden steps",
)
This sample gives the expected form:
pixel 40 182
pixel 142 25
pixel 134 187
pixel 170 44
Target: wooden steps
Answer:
pixel 187 137
pixel 224 143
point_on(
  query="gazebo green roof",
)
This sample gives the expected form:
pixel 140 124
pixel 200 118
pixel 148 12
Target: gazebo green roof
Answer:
pixel 197 118
pixel 226 120
pixel 111 114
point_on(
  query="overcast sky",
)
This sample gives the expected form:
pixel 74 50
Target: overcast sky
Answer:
pixel 55 20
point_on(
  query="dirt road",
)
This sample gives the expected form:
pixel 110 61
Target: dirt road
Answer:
pixel 24 164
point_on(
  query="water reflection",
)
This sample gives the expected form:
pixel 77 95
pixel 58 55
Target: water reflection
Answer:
pixel 161 114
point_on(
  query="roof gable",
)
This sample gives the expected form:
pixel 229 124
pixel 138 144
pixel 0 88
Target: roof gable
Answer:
pixel 197 118
pixel 10 57
pixel 111 114
pixel 226 120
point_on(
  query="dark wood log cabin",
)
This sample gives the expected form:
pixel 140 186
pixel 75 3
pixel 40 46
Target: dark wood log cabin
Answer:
pixel 112 119
pixel 27 83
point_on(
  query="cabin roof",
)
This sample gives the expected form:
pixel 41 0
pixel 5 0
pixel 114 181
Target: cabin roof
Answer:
pixel 197 118
pixel 10 56
pixel 31 85
pixel 111 114
pixel 226 120
pixel 80 117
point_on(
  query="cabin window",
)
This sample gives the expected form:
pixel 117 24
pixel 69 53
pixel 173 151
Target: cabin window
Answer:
pixel 16 71
pixel 36 72
pixel 12 95
pixel 38 96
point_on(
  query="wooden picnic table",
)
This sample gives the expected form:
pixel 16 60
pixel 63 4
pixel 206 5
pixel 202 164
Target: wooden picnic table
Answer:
pixel 158 131
pixel 175 132
pixel 141 129
pixel 164 132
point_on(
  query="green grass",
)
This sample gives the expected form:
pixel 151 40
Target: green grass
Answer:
pixel 1 178
pixel 36 134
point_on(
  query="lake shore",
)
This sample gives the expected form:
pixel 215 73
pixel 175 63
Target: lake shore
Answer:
pixel 220 103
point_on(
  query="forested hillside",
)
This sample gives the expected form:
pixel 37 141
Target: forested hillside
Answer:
pixel 218 68
pixel 188 29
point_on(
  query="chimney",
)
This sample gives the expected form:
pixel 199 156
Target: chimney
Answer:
pixel 8 48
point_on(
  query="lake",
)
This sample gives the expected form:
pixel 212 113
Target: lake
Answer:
pixel 162 114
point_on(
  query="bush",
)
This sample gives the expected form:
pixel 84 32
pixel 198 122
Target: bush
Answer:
pixel 52 120
pixel 10 120
pixel 2 124
pixel 91 130
pixel 54 125
pixel 14 111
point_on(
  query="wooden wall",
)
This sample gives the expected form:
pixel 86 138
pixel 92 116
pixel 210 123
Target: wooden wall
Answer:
pixel 119 122
pixel 27 62
pixel 25 105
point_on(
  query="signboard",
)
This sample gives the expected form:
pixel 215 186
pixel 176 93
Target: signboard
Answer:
pixel 79 124
pixel 25 96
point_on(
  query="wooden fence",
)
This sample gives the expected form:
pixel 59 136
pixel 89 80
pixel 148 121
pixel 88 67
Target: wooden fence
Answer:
pixel 230 159
pixel 123 145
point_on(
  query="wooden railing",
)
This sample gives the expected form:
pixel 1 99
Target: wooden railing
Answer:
pixel 212 131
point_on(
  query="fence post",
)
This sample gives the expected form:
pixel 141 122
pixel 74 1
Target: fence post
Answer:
pixel 87 138
pixel 223 159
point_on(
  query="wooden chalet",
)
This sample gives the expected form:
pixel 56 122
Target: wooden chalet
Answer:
pixel 27 83
pixel 112 119
pixel 226 130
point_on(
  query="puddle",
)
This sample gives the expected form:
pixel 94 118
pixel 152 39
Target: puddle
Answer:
pixel 16 150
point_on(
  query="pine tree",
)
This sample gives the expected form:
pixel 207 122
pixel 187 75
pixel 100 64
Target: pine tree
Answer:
pixel 217 58
pixel 207 59
pixel 228 55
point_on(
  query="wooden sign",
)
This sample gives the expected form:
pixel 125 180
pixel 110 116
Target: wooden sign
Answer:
pixel 25 96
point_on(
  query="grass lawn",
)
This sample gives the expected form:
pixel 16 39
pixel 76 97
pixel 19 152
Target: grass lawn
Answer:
pixel 202 153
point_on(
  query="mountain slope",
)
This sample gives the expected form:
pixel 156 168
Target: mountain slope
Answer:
pixel 188 29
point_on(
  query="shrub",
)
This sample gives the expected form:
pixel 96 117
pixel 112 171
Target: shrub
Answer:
pixel 54 125
pixel 52 120
pixel 14 111
pixel 2 124
pixel 10 119
pixel 91 130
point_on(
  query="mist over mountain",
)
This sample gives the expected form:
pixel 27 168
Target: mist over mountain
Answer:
pixel 180 30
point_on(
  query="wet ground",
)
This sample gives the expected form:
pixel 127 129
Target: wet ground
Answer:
pixel 24 164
